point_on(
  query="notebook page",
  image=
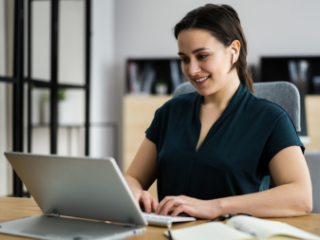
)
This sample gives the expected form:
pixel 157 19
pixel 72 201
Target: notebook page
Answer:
pixel 209 231
pixel 264 229
pixel 283 238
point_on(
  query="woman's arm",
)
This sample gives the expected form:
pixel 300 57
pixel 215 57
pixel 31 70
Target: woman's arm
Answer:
pixel 291 197
pixel 142 173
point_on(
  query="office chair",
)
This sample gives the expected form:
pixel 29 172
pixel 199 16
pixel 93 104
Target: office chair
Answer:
pixel 286 95
pixel 313 161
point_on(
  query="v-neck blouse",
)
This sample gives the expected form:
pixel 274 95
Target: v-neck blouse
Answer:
pixel 234 156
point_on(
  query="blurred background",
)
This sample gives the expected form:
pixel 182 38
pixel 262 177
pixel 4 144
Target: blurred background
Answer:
pixel 80 77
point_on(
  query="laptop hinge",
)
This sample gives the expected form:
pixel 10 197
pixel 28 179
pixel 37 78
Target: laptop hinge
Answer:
pixel 54 215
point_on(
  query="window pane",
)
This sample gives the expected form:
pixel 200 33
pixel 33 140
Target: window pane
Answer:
pixel 40 37
pixel 71 120
pixel 71 42
pixel 40 118
pixel 40 115
pixel 6 37
pixel 71 140
pixel 40 141
pixel 71 107
pixel 5 138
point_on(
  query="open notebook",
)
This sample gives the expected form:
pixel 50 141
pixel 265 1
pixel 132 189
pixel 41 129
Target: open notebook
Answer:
pixel 242 228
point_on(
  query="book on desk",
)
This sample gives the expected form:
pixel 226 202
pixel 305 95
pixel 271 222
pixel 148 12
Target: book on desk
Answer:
pixel 242 228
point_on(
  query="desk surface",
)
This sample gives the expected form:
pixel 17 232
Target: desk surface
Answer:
pixel 15 208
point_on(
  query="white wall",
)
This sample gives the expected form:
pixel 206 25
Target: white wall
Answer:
pixel 106 104
pixel 286 27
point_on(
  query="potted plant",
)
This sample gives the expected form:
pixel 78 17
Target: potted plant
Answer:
pixel 161 86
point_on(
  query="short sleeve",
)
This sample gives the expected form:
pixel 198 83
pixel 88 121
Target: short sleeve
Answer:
pixel 283 135
pixel 152 133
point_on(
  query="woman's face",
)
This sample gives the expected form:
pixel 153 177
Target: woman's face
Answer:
pixel 205 61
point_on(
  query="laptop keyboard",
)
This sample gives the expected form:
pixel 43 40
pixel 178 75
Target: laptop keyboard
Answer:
pixel 160 220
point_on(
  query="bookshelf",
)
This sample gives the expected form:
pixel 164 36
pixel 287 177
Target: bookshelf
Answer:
pixel 153 76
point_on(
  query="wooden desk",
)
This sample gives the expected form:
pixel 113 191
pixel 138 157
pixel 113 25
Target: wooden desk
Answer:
pixel 15 208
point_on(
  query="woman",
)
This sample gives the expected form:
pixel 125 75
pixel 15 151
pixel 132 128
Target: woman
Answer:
pixel 214 150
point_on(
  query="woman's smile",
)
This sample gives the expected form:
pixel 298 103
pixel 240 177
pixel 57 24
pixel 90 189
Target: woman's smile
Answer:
pixel 201 80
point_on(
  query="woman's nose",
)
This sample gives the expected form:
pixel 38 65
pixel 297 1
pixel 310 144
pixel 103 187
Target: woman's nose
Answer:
pixel 194 68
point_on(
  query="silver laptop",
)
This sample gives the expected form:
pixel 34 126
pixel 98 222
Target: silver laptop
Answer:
pixel 81 187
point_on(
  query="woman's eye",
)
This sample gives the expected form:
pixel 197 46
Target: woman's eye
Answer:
pixel 202 56
pixel 185 60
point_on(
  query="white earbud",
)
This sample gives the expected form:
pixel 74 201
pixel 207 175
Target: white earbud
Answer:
pixel 233 56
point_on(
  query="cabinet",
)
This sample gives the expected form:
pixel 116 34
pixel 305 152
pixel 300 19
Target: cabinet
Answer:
pixel 138 114
pixel 313 121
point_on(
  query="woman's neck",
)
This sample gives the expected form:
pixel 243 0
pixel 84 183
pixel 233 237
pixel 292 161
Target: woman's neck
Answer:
pixel 223 96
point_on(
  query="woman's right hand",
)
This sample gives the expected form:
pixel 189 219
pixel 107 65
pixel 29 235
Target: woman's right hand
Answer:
pixel 142 173
pixel 146 201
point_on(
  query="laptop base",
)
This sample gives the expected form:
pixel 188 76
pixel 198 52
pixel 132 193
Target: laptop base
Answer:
pixel 48 227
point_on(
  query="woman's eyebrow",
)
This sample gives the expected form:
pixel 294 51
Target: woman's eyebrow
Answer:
pixel 194 51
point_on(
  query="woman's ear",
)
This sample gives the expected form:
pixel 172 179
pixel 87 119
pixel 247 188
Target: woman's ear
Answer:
pixel 233 56
pixel 235 50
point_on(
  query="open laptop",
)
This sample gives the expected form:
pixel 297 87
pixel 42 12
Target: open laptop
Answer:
pixel 81 187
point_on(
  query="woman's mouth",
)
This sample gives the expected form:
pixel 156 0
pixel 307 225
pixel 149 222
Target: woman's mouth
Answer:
pixel 200 80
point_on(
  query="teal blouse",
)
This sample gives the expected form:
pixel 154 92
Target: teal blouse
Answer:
pixel 233 158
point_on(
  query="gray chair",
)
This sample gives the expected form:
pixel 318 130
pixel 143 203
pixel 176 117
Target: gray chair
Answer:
pixel 287 96
pixel 313 161
pixel 284 94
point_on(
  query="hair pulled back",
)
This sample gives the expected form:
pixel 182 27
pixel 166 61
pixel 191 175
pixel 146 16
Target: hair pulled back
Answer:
pixel 223 23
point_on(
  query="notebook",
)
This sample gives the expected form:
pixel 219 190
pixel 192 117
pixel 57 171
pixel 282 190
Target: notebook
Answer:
pixel 242 228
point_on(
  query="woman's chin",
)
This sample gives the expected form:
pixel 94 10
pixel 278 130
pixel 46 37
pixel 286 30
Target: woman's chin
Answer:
pixel 204 92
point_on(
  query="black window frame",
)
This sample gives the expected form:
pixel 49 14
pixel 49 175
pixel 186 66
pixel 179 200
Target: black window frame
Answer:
pixel 18 80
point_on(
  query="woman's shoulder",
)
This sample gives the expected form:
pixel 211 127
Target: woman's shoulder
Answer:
pixel 265 107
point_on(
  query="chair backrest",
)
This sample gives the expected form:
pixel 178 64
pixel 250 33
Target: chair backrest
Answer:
pixel 313 161
pixel 285 94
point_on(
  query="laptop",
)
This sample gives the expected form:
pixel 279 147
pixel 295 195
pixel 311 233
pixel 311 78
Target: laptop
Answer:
pixel 81 187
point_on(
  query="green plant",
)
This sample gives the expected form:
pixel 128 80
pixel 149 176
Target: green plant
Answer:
pixel 161 81
pixel 62 94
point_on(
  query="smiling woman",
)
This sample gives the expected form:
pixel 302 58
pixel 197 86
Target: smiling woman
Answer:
pixel 213 151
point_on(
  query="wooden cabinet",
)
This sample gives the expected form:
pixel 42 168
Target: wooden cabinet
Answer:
pixel 313 121
pixel 138 114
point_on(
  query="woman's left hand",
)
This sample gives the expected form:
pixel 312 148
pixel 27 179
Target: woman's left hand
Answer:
pixel 204 209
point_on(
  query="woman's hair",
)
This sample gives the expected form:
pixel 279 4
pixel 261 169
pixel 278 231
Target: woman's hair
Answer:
pixel 223 23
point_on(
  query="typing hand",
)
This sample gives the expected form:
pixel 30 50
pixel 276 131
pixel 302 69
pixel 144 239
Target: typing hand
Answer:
pixel 145 200
pixel 203 209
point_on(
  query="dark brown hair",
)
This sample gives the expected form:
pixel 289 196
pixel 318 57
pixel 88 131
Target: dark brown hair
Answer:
pixel 223 23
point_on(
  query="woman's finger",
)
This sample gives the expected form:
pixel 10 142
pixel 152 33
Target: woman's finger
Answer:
pixel 162 203
pixel 137 198
pixel 176 201
pixel 182 209
pixel 146 201
pixel 154 204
